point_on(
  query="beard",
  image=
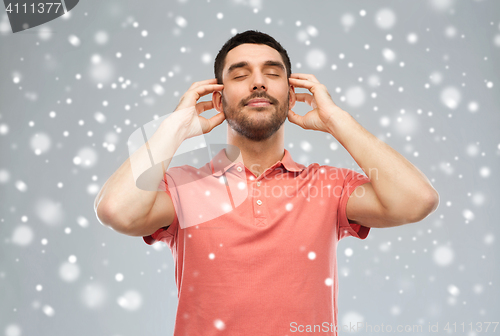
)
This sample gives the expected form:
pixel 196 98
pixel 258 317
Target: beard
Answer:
pixel 256 123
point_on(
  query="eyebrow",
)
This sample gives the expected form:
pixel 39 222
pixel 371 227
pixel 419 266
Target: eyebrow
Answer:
pixel 245 64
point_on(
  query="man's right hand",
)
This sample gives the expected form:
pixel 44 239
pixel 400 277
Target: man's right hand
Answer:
pixel 193 123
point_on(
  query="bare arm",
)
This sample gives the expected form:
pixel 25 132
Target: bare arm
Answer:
pixel 398 192
pixel 130 210
pixel 123 206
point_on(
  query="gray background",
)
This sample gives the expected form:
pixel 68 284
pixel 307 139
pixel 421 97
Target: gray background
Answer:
pixel 60 141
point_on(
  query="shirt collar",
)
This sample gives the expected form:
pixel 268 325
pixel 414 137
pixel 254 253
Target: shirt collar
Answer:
pixel 220 163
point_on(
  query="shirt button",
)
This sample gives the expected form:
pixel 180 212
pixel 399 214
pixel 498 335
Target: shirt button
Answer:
pixel 259 202
pixel 239 169
pixel 258 183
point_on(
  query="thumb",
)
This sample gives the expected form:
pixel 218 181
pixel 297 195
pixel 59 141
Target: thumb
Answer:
pixel 216 120
pixel 296 118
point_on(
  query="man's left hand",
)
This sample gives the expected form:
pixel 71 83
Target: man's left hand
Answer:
pixel 320 118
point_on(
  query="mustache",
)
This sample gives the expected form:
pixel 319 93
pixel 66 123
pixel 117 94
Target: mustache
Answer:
pixel 261 95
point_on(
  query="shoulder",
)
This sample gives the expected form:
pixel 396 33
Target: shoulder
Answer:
pixel 333 175
pixel 187 172
pixel 327 172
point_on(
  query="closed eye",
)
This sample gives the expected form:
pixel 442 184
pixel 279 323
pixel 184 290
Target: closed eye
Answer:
pixel 245 75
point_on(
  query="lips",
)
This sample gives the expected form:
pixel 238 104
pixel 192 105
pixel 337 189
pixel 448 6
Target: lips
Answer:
pixel 258 102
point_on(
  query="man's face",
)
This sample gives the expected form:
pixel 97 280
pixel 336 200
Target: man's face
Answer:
pixel 263 77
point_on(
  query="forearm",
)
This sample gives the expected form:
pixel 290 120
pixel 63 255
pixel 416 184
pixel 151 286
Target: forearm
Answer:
pixel 121 203
pixel 396 181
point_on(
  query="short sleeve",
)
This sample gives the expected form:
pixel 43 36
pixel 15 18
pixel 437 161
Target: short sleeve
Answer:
pixel 345 228
pixel 167 232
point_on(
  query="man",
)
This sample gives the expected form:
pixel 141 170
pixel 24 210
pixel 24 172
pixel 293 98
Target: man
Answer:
pixel 266 263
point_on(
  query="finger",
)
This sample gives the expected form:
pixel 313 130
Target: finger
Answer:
pixel 306 84
pixel 206 89
pixel 305 97
pixel 296 118
pixel 216 120
pixel 203 82
pixel 310 77
pixel 191 96
pixel 204 106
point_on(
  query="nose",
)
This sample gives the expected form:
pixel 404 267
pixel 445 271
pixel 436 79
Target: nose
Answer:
pixel 259 82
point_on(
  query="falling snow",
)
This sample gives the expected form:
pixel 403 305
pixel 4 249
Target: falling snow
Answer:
pixel 74 90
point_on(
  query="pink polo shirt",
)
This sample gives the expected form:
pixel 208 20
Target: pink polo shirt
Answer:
pixel 266 265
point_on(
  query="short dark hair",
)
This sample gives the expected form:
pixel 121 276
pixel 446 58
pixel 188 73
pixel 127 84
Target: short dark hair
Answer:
pixel 249 36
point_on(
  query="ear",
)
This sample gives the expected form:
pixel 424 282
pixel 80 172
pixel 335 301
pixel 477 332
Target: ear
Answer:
pixel 217 101
pixel 292 98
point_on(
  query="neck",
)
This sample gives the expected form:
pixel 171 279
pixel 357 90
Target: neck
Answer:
pixel 257 156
